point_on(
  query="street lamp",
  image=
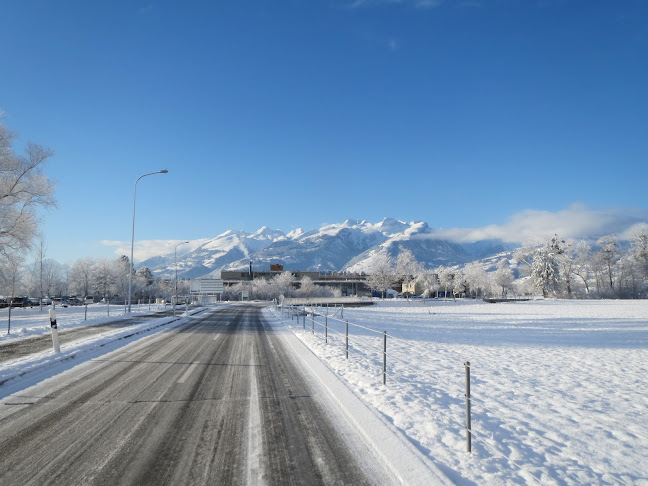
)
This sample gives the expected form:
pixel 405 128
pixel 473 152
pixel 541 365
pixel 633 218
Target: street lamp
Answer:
pixel 175 300
pixel 130 276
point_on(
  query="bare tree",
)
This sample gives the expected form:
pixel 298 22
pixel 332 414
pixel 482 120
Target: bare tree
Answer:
pixel 24 189
pixel 582 263
pixel 53 277
pixel 503 278
pixel 104 277
pixel 11 273
pixel 607 258
pixel 81 275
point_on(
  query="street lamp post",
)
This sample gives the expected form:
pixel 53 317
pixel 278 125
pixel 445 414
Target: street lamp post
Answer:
pixel 175 299
pixel 130 276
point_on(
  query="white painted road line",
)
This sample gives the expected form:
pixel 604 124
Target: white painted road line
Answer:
pixel 184 377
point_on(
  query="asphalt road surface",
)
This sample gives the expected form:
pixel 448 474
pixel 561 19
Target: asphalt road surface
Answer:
pixel 217 401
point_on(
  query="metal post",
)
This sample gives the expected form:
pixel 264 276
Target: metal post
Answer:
pixel 326 328
pixel 9 321
pixel 346 332
pixel 313 322
pixel 132 267
pixel 86 313
pixel 108 307
pixel 342 312
pixel 384 357
pixel 304 318
pixel 468 426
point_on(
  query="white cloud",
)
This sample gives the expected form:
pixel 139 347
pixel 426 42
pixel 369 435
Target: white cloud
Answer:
pixel 145 249
pixel 574 222
pixel 423 4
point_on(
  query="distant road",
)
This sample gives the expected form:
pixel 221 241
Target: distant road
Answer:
pixel 214 402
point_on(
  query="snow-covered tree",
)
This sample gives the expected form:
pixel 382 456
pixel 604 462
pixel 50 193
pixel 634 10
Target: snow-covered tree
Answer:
pixel 606 259
pixel 11 272
pixel 430 283
pixel 476 278
pixel 639 251
pixel 545 269
pixel 122 274
pixel 24 189
pixel 445 276
pixel 459 284
pixel 81 275
pixel 383 274
pixel 502 279
pixel 407 268
pixel 53 277
pixel 582 263
pixel 283 284
pixel 104 277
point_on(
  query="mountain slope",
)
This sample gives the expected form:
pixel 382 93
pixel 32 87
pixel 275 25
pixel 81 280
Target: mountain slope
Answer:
pixel 350 246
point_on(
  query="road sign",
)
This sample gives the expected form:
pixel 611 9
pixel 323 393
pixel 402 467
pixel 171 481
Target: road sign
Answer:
pixel 207 286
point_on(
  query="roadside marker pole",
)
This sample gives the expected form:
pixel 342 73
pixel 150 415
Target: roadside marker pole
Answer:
pixel 55 340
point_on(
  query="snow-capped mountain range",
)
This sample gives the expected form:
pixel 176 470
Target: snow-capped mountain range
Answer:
pixel 350 246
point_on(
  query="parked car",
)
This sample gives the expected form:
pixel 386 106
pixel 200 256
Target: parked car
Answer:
pixel 58 301
pixel 19 302
pixel 3 303
pixel 46 301
pixel 74 301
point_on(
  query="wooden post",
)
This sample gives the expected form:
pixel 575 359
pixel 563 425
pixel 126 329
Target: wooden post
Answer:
pixel 468 426
pixel 346 332
pixel 384 357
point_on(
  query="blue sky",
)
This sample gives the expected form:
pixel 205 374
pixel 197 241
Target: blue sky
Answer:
pixel 291 114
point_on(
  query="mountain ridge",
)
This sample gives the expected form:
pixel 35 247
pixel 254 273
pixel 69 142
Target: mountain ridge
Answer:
pixel 354 246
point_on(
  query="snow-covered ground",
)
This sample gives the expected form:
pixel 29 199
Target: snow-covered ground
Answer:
pixel 559 388
pixel 34 321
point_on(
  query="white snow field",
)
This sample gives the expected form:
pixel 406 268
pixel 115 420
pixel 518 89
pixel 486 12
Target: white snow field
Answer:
pixel 559 388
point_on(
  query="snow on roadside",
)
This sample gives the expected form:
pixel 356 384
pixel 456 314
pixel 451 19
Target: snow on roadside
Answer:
pixel 32 321
pixel 20 373
pixel 559 388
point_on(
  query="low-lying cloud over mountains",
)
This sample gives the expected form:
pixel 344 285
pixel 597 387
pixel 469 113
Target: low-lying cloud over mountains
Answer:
pixel 355 245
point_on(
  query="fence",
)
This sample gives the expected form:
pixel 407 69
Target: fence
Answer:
pixel 322 323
